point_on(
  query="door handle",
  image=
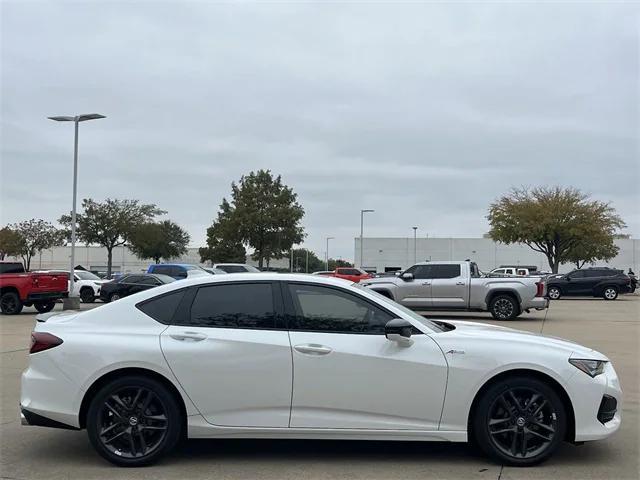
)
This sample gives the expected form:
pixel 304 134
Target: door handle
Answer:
pixel 192 336
pixel 313 349
pixel 426 283
pixel 460 283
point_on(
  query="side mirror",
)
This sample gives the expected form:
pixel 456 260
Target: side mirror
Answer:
pixel 406 277
pixel 567 278
pixel 399 330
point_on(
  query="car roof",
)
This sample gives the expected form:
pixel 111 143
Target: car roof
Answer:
pixel 262 276
pixel 174 265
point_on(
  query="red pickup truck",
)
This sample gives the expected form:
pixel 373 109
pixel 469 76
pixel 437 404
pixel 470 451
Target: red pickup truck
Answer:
pixel 351 274
pixel 20 289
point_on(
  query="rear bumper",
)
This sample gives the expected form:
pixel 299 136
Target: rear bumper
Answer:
pixel 536 303
pixel 33 419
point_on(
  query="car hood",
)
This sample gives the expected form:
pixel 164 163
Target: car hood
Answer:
pixel 381 280
pixel 483 331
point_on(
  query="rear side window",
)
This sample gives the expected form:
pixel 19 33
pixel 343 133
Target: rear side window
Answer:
pixel 163 307
pixel 11 267
pixel 446 271
pixel 178 272
pixel 240 305
pixel 163 269
pixel 232 268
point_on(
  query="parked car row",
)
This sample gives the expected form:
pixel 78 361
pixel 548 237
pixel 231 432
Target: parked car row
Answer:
pixel 19 289
pixel 591 282
pixel 346 273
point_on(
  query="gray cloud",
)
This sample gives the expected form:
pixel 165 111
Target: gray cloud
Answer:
pixel 424 112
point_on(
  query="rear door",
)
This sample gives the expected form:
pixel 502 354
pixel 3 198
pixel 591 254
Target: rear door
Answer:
pixel 449 286
pixel 227 347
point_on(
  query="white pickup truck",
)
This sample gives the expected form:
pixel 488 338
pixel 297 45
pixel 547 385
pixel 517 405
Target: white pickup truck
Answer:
pixel 458 286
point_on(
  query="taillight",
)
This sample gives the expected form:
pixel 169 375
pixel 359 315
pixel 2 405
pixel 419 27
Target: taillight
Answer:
pixel 540 289
pixel 43 341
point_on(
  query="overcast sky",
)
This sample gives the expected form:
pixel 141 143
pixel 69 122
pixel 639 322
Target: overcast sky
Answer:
pixel 424 112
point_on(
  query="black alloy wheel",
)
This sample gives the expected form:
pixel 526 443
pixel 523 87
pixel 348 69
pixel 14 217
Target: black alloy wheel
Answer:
pixel 44 307
pixel 504 307
pixel 87 295
pixel 134 421
pixel 10 303
pixel 521 422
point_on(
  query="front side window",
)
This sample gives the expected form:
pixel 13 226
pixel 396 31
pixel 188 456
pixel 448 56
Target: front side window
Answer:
pixel 326 309
pixel 239 305
pixel 148 281
pixel 423 271
pixel 132 279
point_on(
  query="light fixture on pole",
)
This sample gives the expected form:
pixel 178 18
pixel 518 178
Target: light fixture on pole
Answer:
pixel 327 253
pixel 415 249
pixel 73 302
pixel 362 212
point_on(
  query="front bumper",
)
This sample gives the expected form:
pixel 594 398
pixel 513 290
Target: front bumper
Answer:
pixel 593 410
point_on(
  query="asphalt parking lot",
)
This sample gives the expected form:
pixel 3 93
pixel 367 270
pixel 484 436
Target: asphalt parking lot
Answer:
pixel 611 327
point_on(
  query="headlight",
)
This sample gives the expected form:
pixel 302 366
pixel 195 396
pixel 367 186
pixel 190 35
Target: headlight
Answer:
pixel 96 283
pixel 592 368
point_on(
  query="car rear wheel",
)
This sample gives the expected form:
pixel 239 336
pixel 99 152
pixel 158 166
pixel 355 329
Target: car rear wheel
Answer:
pixel 519 421
pixel 610 293
pixel 504 307
pixel 113 297
pixel 134 421
pixel 554 293
pixel 10 303
pixel 87 295
pixel 44 307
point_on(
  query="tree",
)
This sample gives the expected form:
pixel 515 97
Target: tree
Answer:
pixel 300 261
pixel 10 243
pixel 223 242
pixel 110 223
pixel 560 223
pixel 159 240
pixel 263 214
pixel 33 237
pixel 590 249
pixel 333 263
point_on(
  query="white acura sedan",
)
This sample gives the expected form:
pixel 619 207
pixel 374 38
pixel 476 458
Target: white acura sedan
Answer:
pixel 301 356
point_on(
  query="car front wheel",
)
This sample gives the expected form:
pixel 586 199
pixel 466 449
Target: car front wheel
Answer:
pixel 134 421
pixel 519 421
pixel 610 293
pixel 10 303
pixel 554 293
pixel 87 295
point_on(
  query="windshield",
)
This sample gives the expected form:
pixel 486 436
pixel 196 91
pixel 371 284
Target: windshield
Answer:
pixel 411 313
pixel 84 275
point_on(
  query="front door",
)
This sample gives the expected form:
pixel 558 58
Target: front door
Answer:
pixel 416 292
pixel 348 375
pixel 227 353
pixel 578 283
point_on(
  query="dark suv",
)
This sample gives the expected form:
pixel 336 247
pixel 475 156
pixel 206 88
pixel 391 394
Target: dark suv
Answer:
pixel 592 282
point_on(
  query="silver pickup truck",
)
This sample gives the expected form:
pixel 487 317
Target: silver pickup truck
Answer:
pixel 459 286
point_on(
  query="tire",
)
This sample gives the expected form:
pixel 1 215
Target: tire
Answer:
pixel 554 293
pixel 504 307
pixel 87 295
pixel 114 297
pixel 610 293
pixel 129 420
pixel 10 303
pixel 44 307
pixel 514 410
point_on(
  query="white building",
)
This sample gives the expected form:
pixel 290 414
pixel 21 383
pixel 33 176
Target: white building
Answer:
pixel 95 259
pixel 387 254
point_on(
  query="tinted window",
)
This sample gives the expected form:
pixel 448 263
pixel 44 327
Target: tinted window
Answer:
pixel 232 268
pixel 577 274
pixel 600 273
pixel 178 272
pixel 240 305
pixel 445 271
pixel 148 281
pixel 422 271
pixel 11 267
pixel 162 308
pixel 163 269
pixel 132 279
pixel 327 309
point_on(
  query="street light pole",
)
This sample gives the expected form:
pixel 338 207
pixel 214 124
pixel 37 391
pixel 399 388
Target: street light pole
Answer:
pixel 327 252
pixel 362 212
pixel 415 248
pixel 73 302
